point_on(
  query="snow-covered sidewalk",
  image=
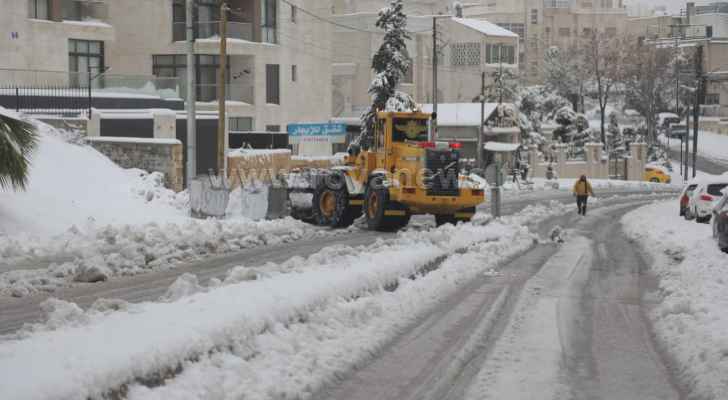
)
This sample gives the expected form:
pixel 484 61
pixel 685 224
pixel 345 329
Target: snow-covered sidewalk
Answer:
pixel 280 335
pixel 711 145
pixel 690 319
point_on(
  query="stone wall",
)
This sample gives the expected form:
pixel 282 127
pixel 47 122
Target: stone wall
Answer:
pixel 595 165
pixel 152 155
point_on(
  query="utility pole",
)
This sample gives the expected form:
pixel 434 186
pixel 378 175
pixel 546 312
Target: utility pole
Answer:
pixel 191 96
pixel 222 79
pixel 501 83
pixel 479 154
pixel 434 78
pixel 699 91
pixel 687 142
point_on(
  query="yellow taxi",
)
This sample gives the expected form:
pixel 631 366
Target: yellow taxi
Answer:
pixel 656 174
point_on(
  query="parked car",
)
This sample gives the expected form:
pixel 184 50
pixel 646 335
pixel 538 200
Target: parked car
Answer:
pixel 656 174
pixel 685 198
pixel 706 196
pixel 677 131
pixel 720 222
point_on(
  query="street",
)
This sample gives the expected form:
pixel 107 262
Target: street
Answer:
pixel 557 323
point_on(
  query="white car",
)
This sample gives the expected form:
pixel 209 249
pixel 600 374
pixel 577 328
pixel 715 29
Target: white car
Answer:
pixel 705 197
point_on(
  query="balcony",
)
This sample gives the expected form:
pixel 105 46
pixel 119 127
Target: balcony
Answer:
pixel 233 92
pixel 211 30
pixel 84 10
pixel 557 3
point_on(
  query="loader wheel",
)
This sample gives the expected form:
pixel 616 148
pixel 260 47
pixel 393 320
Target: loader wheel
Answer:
pixel 376 203
pixel 331 204
pixel 441 220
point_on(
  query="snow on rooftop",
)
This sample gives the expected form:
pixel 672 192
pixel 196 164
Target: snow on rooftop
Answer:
pixel 460 114
pixel 502 147
pixel 485 27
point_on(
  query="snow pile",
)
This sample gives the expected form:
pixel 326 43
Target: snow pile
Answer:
pixel 96 253
pixel 72 184
pixel 283 335
pixel 690 319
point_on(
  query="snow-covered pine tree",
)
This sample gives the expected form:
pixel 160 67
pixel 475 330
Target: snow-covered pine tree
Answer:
pixel 615 140
pixel 390 63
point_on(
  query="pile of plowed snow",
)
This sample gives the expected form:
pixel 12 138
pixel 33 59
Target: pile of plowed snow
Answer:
pixel 74 185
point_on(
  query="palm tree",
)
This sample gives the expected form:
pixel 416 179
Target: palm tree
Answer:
pixel 18 140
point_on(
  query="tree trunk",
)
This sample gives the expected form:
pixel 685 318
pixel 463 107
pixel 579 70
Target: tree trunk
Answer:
pixel 604 135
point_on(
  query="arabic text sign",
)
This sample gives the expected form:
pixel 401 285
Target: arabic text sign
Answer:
pixel 316 133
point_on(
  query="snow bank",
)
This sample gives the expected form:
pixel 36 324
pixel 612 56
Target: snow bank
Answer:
pixel 73 184
pixel 690 319
pixel 135 249
pixel 276 336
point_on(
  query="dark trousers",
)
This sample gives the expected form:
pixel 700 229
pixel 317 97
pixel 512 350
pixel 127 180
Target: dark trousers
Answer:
pixel 581 204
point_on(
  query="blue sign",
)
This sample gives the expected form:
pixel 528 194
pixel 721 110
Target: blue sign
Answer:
pixel 316 133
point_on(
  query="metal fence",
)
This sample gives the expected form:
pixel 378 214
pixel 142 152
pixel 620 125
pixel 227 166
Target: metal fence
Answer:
pixel 71 94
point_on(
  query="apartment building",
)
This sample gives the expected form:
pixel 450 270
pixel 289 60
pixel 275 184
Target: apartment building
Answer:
pixel 47 39
pixel 541 24
pixel 466 49
pixel 279 58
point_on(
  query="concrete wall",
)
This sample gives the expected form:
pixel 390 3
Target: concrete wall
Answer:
pixel 595 166
pixel 152 155
pixel 32 44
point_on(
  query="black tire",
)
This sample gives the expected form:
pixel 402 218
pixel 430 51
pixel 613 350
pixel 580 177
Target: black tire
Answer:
pixel 441 220
pixel 376 202
pixel 703 220
pixel 331 203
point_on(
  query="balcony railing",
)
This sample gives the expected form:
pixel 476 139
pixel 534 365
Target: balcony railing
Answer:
pixel 208 93
pixel 557 3
pixel 210 30
pixel 84 10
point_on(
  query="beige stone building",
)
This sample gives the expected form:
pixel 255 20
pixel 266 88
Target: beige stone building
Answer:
pixel 467 48
pixel 279 57
pixel 43 40
pixel 545 23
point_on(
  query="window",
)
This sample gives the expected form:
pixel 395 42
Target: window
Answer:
pixel 206 74
pixel 269 21
pixel 294 73
pixel 611 32
pixel 518 29
pixel 294 12
pixel 273 128
pixel 564 32
pixel 712 99
pixel 495 53
pixel 241 124
pixel 465 54
pixel 607 4
pixel 587 32
pixel 716 189
pixel 534 17
pixel 272 84
pixel 39 9
pixel 84 56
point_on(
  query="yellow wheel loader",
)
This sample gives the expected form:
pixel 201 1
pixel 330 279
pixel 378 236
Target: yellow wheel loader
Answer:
pixel 401 174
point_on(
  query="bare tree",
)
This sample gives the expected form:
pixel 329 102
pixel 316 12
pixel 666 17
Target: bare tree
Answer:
pixel 649 75
pixel 564 74
pixel 603 58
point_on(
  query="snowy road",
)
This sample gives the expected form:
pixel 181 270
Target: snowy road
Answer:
pixel 558 323
pixel 150 286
